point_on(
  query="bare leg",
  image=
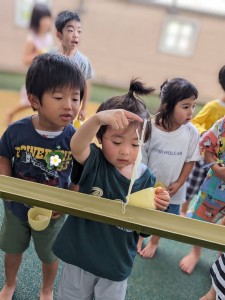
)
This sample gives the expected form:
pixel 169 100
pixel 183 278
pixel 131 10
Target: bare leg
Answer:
pixel 49 272
pixel 149 250
pixel 12 264
pixel 222 222
pixel 139 244
pixel 211 295
pixel 188 263
pixel 184 208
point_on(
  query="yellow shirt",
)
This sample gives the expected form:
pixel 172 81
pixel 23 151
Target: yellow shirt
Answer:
pixel 208 115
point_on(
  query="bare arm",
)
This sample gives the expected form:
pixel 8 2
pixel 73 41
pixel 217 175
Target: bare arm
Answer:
pixel 174 187
pixel 74 187
pixel 81 140
pixel 218 169
pixel 30 52
pixel 82 113
pixel 5 166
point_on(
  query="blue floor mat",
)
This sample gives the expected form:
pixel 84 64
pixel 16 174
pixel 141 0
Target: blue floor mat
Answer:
pixel 159 278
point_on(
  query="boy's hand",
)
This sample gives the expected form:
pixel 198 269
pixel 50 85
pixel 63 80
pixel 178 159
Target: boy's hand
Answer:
pixel 117 118
pixel 219 171
pixel 162 198
pixel 56 215
pixel 82 115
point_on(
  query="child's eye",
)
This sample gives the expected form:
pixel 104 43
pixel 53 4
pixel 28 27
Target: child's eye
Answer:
pixel 135 145
pixel 75 100
pixel 57 98
pixel 116 143
pixel 186 107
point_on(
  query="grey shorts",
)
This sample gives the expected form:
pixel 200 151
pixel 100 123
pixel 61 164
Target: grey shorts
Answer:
pixel 77 284
pixel 15 236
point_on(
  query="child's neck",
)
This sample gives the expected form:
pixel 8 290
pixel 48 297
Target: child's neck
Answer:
pixel 68 52
pixel 43 126
pixel 173 128
pixel 222 99
pixel 126 171
pixel 41 33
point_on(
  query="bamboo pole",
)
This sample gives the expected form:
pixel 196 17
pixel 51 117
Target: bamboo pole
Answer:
pixel 166 225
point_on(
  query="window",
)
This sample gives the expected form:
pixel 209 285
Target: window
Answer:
pixel 212 7
pixel 178 35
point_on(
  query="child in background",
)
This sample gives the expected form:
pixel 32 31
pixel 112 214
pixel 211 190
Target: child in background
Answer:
pixel 68 32
pixel 217 272
pixel 210 204
pixel 39 40
pixel 174 146
pixel 99 257
pixel 203 121
pixel 54 86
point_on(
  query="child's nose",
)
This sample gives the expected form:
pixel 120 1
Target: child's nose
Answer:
pixel 124 150
pixel 75 33
pixel 191 111
pixel 68 103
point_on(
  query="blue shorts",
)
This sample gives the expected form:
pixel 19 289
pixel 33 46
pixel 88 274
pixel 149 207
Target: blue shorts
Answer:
pixel 174 209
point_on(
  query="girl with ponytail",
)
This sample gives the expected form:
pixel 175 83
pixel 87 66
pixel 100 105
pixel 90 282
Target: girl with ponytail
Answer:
pixel 99 257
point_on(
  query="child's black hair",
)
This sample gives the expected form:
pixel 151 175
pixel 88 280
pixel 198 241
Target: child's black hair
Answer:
pixel 50 71
pixel 172 92
pixel 39 11
pixel 63 18
pixel 130 102
pixel 222 77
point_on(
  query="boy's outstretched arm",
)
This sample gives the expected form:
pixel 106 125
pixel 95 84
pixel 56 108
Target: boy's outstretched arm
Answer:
pixel 81 140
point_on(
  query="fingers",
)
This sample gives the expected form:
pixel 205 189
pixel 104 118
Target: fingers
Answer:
pixel 161 203
pixel 56 215
pixel 117 118
pixel 159 190
pixel 123 118
pixel 162 198
pixel 81 116
pixel 132 117
pixel 121 122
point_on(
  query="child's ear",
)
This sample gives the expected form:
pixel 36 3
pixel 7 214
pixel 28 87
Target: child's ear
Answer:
pixel 59 35
pixel 164 106
pixel 34 101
